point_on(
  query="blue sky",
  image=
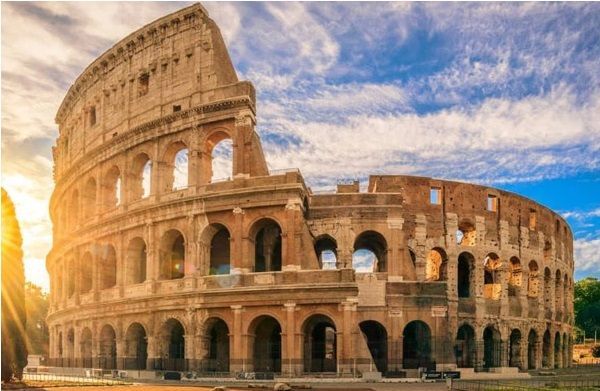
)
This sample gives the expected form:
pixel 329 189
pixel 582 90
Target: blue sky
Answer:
pixel 505 94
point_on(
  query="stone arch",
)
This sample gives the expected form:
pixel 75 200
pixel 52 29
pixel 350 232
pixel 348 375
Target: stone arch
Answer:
pixel 514 349
pixel 86 348
pixel 136 347
pixel 265 344
pixel 107 266
pixel 492 347
pixel 492 288
pixel 218 147
pixel 86 277
pixel 112 188
pixel 416 345
pixel 172 345
pixel 465 350
pixel 546 349
pixel 89 198
pixel 320 344
pixel 466 279
pixel 141 177
pixel 557 351
pixel 370 252
pixel 326 251
pixel 533 280
pixel 266 235
pixel 532 349
pixel 515 277
pixel 558 293
pixel 218 239
pixel 172 255
pixel 176 172
pixel 466 235
pixel 135 267
pixel 436 265
pixel 107 347
pixel 217 345
pixel 376 337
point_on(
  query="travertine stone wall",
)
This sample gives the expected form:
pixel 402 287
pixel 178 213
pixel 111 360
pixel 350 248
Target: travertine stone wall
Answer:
pixel 471 277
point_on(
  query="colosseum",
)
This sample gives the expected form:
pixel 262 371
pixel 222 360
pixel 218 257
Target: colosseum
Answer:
pixel 156 266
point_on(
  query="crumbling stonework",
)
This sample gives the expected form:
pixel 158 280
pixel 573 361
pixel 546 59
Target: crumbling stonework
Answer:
pixel 255 273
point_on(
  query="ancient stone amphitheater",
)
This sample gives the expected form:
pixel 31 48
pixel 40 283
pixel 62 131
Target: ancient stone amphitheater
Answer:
pixel 157 266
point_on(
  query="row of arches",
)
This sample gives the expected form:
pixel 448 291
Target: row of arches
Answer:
pixel 319 346
pixel 108 191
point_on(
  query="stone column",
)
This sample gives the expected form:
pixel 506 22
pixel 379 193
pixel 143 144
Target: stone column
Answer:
pixel 395 340
pixel 238 356
pixel 290 358
pixel 240 262
pixel 345 336
pixel 396 258
pixel 420 238
pixel 152 261
pixel 292 238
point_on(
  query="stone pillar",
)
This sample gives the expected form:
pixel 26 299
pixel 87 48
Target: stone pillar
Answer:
pixel 345 336
pixel 396 255
pixel 290 357
pixel 152 351
pixel 238 355
pixel 395 340
pixel 240 261
pixel 152 261
pixel 292 237
pixel 420 238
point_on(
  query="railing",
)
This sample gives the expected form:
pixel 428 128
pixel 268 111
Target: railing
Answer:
pixel 554 383
pixel 56 379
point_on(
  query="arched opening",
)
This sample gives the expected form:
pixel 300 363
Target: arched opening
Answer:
pixel 86 348
pixel 436 265
pixel 265 344
pixel 533 280
pixel 136 347
pixel 558 294
pixel 220 262
pixel 492 348
pixel 71 347
pixel 515 278
pixel 222 160
pixel 465 347
pixel 141 177
pixel 89 198
pixel 217 335
pixel 320 344
pixel 532 349
pixel 546 350
pixel 466 235
pixel 136 261
pixel 416 345
pixel 74 209
pixel 72 275
pixel 172 255
pixel 108 267
pixel 557 352
pixel 547 291
pixel 267 246
pixel 514 349
pixel 112 188
pixel 180 170
pixel 370 253
pixel 173 345
pixel 466 265
pixel 375 335
pixel 108 348
pixel 492 288
pixel 326 250
pixel 85 270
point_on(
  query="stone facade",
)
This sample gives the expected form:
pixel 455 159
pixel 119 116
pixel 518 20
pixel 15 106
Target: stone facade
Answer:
pixel 255 273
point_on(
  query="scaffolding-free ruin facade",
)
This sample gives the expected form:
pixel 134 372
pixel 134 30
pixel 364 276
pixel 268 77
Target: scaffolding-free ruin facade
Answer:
pixel 157 266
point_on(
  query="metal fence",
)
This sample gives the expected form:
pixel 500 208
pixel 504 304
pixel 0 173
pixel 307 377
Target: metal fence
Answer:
pixel 91 378
pixel 562 383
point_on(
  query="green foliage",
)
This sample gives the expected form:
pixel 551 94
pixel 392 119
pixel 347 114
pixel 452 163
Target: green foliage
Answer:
pixel 596 351
pixel 36 304
pixel 587 305
pixel 14 350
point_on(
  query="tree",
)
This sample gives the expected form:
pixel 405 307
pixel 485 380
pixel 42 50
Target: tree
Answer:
pixel 587 305
pixel 14 321
pixel 36 305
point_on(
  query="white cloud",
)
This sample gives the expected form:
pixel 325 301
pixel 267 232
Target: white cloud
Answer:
pixel 587 255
